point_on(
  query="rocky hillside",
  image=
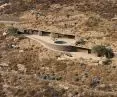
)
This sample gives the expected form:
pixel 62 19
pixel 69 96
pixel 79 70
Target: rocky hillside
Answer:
pixel 27 69
pixel 92 20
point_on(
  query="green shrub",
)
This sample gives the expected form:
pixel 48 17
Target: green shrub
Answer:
pixel 109 53
pixel 101 50
pixel 12 31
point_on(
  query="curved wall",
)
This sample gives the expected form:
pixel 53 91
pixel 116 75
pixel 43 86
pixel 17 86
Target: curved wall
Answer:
pixel 67 48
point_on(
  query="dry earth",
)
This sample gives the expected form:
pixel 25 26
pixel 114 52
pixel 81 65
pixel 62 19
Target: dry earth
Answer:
pixel 30 70
pixel 27 69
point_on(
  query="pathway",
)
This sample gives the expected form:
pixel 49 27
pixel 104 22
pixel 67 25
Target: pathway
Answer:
pixel 9 22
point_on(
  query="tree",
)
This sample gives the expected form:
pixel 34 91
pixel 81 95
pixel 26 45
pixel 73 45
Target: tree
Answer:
pixel 101 50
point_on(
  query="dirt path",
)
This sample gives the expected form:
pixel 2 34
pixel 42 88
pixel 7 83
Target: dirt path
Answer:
pixel 9 22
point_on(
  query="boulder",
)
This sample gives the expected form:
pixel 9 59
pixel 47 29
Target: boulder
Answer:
pixel 21 68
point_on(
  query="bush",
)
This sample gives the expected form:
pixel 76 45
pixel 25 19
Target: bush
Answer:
pixel 12 31
pixel 109 53
pixel 93 21
pixel 2 26
pixel 80 41
pixel 101 50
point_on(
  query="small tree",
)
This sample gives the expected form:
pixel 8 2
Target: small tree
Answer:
pixel 101 50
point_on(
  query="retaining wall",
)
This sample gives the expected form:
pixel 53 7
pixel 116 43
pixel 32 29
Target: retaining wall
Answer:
pixel 67 48
pixel 44 33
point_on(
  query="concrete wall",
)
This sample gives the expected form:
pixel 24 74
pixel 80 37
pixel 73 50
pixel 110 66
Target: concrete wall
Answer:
pixel 68 48
pixel 44 33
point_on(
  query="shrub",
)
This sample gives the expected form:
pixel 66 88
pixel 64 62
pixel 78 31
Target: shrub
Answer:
pixel 12 31
pixel 101 50
pixel 80 41
pixel 2 26
pixel 93 21
pixel 109 53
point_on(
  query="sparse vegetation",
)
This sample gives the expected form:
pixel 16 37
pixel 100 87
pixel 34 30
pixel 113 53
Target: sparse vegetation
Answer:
pixel 46 75
pixel 2 26
pixel 93 21
pixel 102 51
pixel 12 30
pixel 80 42
pixel 109 53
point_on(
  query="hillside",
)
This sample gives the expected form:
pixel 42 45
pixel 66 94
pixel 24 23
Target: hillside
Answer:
pixel 73 19
pixel 29 69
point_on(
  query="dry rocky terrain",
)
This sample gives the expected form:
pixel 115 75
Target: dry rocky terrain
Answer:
pixel 27 69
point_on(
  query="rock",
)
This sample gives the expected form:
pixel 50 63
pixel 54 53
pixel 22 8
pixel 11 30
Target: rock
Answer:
pixel 105 61
pixel 70 95
pixel 21 51
pixel 95 81
pixel 68 54
pixel 14 71
pixel 15 39
pixel 14 46
pixel 21 67
pixel 93 64
pixel 94 61
pixel 100 62
pixel 102 86
pixel 4 34
pixel 63 86
pixel 4 65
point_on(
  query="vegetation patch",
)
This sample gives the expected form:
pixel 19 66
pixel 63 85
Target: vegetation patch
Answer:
pixel 101 51
pixel 2 25
pixel 12 31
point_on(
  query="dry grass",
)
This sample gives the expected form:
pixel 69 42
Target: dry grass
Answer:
pixel 41 65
